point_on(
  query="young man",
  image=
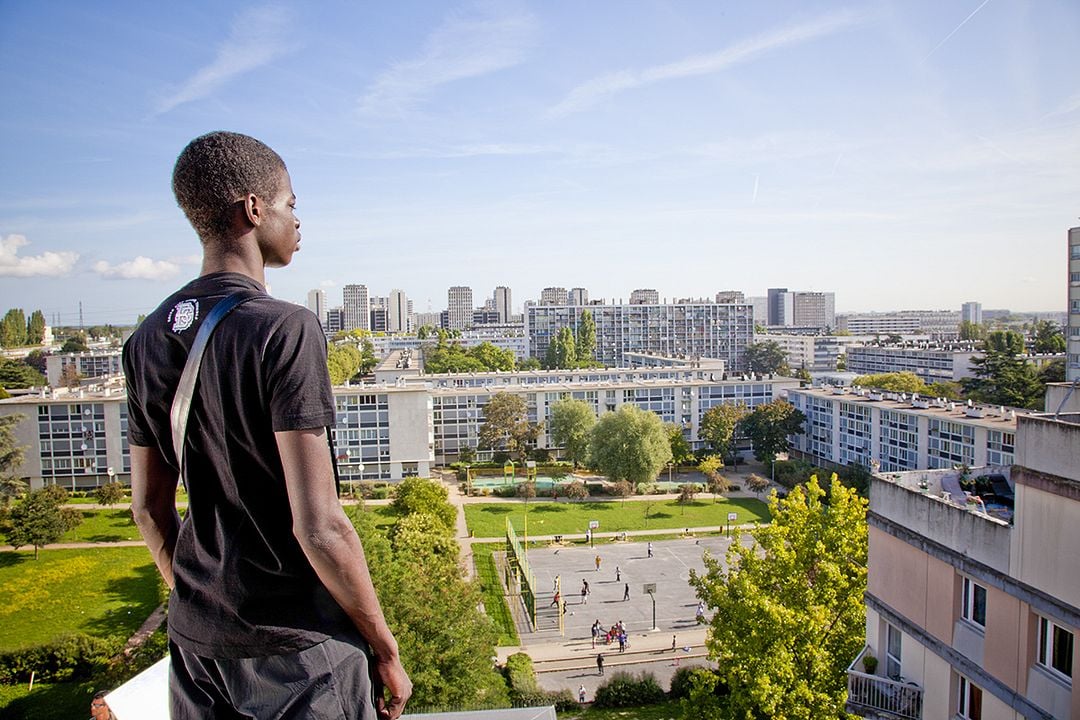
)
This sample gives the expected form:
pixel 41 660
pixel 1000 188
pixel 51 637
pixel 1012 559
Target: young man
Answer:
pixel 272 612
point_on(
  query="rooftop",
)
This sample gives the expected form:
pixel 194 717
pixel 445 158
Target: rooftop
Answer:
pixel 995 417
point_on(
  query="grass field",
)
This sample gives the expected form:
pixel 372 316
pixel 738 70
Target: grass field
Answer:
pixel 104 592
pixel 491 587
pixel 545 518
pixel 103 526
pixel 663 711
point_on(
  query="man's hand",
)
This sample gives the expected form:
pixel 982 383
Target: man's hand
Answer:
pixel 398 683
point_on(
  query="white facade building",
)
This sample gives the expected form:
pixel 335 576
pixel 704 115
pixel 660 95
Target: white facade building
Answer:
pixel 931 364
pixel 459 308
pixel 938 324
pixel 971 312
pixel 503 303
pixel 356 312
pixel 92 364
pixel 316 303
pixel 553 296
pixel 644 296
pixel 1072 332
pixel 897 433
pixel 399 312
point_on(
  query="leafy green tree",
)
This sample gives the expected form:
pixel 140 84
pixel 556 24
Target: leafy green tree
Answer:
pixel 681 453
pixel 757 484
pixel 1002 374
pixel 529 363
pixel 1048 337
pixel 1052 372
pixel 36 360
pixel 13 329
pixel 35 328
pixel 947 389
pixel 75 343
pixel 109 494
pixel 368 361
pixel 972 331
pixel 492 357
pixel 629 444
pixel 450 357
pixel 444 639
pixel 585 351
pixel 342 360
pixel 687 491
pixel 39 519
pixel 766 357
pixel 769 425
pixel 622 489
pixel 562 352
pixel 718 426
pixel 710 467
pixel 16 375
pixel 11 459
pixel 570 423
pixel 418 496
pixel 506 425
pixel 789 612
pixel 901 382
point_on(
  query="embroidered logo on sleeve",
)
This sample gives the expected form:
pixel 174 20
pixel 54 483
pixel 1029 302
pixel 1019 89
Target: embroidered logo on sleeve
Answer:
pixel 184 314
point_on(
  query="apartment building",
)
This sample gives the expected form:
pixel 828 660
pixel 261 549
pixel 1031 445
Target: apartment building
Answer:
pixel 355 308
pixel 503 303
pixel 399 312
pixel 801 308
pixel 1072 332
pixel 316 303
pixel 973 602
pixel 91 364
pixel 578 296
pixel 698 329
pixel 554 296
pixel 677 394
pixel 815 353
pixel 971 312
pixel 459 308
pixel 931 363
pixel 938 324
pixel 644 296
pixel 896 433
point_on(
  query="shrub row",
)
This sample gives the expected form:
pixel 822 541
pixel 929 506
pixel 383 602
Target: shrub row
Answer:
pixel 69 657
pixel 626 690
pixel 526 692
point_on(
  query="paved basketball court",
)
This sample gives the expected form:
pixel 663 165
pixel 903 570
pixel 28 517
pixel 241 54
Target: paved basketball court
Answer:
pixel 669 569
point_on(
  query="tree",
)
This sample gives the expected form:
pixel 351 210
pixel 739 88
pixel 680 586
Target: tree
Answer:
pixel 947 389
pixel 1052 372
pixel 789 612
pixel 527 490
pixel 13 329
pixel 766 357
pixel 75 343
pixel 11 459
pixel 585 351
pixel 718 426
pixel 368 361
pixel 342 360
pixel 17 375
pixel 506 425
pixel 769 425
pixel 39 519
pixel 901 382
pixel 109 494
pixel 710 468
pixel 493 358
pixel 681 453
pixel 35 328
pixel 1048 337
pixel 1002 374
pixel 70 377
pixel 757 484
pixel 444 639
pixel 629 444
pixel 622 489
pixel 569 425
pixel 36 359
pixel 687 491
pixel 577 490
pixel 972 331
pixel 561 352
pixel 414 496
pixel 529 363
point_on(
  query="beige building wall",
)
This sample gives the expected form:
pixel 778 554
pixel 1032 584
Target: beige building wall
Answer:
pixel 1046 544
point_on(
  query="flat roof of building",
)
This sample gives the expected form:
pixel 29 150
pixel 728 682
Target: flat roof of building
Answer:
pixel 995 417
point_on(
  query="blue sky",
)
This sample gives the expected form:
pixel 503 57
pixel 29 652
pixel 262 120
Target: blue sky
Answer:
pixel 904 154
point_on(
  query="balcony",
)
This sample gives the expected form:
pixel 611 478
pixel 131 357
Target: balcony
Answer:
pixel 873 696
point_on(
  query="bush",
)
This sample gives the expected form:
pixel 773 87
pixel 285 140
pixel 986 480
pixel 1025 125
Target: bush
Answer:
pixel 682 682
pixel 69 657
pixel 626 690
pixel 520 676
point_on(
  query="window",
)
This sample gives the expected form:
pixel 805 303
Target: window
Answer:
pixel 969 704
pixel 892 652
pixel 1055 648
pixel 973 608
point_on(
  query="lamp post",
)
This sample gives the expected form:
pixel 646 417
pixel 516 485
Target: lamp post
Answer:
pixel 111 472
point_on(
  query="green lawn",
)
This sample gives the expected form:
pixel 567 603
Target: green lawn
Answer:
pixel 545 518
pixel 491 586
pixel 663 711
pixel 104 592
pixel 103 526
pixel 47 701
pixel 384 515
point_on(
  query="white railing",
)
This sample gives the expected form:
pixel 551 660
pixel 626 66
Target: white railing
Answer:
pixel 881 695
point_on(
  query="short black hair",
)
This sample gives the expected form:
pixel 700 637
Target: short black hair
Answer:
pixel 216 170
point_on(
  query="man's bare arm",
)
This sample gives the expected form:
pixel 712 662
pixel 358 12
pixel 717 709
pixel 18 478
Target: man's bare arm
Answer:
pixel 332 547
pixel 153 503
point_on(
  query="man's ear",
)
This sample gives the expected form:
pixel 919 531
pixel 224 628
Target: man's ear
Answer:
pixel 253 209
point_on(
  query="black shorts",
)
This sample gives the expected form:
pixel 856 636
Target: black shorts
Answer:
pixel 328 681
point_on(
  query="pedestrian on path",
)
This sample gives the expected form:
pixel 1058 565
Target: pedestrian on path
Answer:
pixel 598 561
pixel 563 607
pixel 650 549
pixel 672 643
pixel 618 575
pixel 555 600
pixel 555 584
pixel 584 592
pixel 626 592
pixel 700 617
pixel 600 663
pixel 581 694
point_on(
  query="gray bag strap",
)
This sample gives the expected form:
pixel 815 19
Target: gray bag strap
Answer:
pixel 185 390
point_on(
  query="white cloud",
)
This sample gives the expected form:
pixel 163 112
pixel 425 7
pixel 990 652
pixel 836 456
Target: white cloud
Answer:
pixel 47 264
pixel 257 37
pixel 141 268
pixel 597 89
pixel 327 284
pixel 462 47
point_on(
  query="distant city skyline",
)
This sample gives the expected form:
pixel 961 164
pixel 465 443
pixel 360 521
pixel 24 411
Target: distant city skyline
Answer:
pixel 900 155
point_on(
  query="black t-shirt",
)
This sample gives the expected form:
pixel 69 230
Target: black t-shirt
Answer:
pixel 243 587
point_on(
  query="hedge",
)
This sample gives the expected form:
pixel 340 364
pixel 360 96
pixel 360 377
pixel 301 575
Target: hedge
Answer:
pixel 69 657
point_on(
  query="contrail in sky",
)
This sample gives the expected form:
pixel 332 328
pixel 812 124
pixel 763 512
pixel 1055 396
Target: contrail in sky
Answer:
pixel 756 178
pixel 955 29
